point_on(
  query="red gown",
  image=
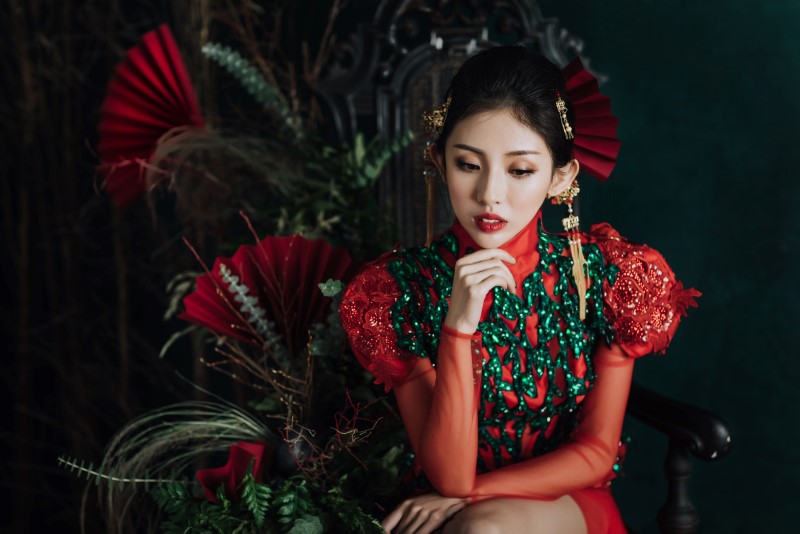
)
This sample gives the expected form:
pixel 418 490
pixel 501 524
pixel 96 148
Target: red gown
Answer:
pixel 531 405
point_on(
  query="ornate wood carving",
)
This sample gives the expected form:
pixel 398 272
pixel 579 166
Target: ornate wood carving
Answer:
pixel 399 64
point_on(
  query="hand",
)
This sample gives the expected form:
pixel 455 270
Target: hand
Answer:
pixel 475 274
pixel 422 514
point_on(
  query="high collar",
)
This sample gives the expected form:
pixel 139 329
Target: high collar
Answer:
pixel 523 246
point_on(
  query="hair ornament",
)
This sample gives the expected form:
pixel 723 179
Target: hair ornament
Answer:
pixel 595 147
pixel 434 121
pixel 434 124
pixel 594 127
pixel 561 106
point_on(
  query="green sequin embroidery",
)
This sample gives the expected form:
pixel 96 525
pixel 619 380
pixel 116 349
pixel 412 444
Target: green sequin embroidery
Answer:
pixel 424 279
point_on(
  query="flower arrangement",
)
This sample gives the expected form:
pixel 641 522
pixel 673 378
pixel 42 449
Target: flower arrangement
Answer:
pixel 314 448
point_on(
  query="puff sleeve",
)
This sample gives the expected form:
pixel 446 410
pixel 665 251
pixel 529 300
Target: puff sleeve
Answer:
pixel 643 301
pixel 366 316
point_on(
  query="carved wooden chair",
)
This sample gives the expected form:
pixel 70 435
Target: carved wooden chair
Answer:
pixel 392 69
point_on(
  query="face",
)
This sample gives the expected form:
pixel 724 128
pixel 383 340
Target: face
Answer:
pixel 498 174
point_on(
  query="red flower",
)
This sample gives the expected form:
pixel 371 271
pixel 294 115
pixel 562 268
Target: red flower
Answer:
pixel 151 94
pixel 274 281
pixel 232 473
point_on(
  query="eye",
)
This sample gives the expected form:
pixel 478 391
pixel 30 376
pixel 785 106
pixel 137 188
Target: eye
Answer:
pixel 521 173
pixel 467 166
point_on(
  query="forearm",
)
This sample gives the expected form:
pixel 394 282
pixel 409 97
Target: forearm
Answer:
pixel 448 445
pixel 590 455
pixel 577 465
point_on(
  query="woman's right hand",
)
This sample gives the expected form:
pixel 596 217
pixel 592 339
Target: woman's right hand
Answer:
pixel 422 514
pixel 475 274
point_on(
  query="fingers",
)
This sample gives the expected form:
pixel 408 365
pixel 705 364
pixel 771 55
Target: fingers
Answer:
pixel 405 519
pixel 421 515
pixel 475 275
pixel 499 273
pixel 467 278
pixel 478 266
pixel 487 254
pixel 390 521
pixel 413 521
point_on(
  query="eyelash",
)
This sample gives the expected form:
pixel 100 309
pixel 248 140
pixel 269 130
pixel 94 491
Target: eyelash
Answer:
pixel 471 167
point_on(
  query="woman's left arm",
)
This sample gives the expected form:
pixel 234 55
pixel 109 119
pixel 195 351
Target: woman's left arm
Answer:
pixel 589 457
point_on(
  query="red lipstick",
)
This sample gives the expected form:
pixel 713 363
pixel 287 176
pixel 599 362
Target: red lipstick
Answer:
pixel 489 222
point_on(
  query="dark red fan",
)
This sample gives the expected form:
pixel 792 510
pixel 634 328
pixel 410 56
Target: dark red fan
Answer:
pixel 275 281
pixel 596 144
pixel 149 95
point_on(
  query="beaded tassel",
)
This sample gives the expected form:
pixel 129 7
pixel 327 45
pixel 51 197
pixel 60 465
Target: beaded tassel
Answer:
pixel 571 223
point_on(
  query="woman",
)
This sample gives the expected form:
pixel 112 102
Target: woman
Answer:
pixel 510 350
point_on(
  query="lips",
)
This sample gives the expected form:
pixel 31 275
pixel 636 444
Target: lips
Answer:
pixel 489 222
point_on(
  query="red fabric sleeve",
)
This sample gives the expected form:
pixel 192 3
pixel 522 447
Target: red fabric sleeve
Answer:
pixel 365 312
pixel 646 302
pixel 440 415
pixel 586 460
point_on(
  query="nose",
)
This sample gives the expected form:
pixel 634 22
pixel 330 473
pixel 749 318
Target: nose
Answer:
pixel 491 188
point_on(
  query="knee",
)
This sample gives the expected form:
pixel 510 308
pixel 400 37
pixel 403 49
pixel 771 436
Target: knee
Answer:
pixel 474 521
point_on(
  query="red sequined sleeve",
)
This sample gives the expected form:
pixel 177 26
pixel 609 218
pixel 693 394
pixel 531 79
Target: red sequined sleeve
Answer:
pixel 645 302
pixel 366 317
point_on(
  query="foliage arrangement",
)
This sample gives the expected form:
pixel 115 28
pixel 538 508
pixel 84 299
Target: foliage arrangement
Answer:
pixel 267 317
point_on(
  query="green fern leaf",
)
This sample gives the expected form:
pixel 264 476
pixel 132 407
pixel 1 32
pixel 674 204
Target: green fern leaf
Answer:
pixel 256 497
pixel 251 80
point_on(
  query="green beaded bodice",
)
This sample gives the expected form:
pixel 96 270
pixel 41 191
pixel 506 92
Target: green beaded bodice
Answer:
pixel 537 363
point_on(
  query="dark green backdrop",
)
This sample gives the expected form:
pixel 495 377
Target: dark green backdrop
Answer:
pixel 705 93
pixel 707 96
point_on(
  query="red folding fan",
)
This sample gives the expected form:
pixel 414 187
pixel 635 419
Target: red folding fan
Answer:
pixel 596 144
pixel 149 95
pixel 275 281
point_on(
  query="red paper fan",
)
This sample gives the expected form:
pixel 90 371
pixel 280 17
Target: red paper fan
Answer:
pixel 596 144
pixel 276 281
pixel 149 95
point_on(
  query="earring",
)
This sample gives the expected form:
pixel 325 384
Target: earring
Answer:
pixel 571 223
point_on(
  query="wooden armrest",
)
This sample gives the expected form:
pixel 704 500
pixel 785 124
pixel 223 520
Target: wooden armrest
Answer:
pixel 703 433
pixel 690 430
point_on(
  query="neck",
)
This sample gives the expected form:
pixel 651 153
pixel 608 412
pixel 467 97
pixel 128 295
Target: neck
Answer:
pixel 523 246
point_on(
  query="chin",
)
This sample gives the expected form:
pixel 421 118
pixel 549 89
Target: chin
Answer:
pixel 494 240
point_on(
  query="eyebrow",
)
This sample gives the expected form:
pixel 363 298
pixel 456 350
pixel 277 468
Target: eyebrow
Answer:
pixel 512 153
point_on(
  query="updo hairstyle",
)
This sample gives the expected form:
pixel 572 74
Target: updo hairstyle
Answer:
pixel 516 79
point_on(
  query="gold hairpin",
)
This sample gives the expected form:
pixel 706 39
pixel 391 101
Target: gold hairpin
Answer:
pixel 434 121
pixel 561 106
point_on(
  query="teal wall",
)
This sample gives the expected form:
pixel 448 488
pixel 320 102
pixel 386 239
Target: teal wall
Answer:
pixel 707 96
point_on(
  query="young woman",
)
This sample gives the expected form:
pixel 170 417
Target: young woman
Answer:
pixel 509 349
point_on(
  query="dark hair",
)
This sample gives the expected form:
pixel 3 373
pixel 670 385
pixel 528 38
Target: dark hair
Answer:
pixel 518 80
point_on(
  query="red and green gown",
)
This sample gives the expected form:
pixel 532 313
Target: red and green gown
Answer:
pixel 531 405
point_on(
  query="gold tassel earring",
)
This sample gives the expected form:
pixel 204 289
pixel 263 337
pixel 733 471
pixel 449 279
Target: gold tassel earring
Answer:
pixel 571 223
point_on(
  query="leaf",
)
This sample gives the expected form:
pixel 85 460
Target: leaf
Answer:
pixel 252 80
pixel 175 337
pixel 331 287
pixel 267 404
pixel 308 524
pixel 222 499
pixel 256 497
pixel 359 151
pixel 170 494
